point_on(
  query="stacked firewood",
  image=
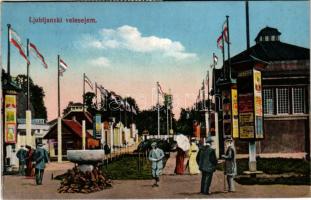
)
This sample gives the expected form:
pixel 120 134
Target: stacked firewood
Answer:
pixel 76 181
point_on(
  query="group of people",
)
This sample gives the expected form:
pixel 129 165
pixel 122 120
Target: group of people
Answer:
pixel 32 162
pixel 201 159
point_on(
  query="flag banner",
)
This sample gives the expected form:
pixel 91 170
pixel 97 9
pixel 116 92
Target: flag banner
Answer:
pixel 219 42
pixel 34 50
pixel 61 71
pixel 127 106
pixel 16 41
pixel 134 110
pixel 62 64
pixel 225 32
pixel 103 91
pixel 215 58
pixel 88 81
pixel 160 89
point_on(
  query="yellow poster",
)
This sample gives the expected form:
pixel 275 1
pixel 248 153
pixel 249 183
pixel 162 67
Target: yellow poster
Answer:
pixel 10 118
pixel 235 113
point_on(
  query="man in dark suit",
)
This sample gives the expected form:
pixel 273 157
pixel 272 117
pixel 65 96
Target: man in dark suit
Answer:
pixel 207 162
pixel 41 157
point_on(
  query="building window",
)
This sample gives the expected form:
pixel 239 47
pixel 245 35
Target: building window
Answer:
pixel 266 38
pixel 298 97
pixel 272 38
pixel 282 101
pixel 268 100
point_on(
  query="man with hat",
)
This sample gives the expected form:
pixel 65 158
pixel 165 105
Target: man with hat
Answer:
pixel 230 163
pixel 21 155
pixel 41 158
pixel 207 161
pixel 156 156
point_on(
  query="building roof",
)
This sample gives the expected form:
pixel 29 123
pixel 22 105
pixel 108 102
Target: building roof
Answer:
pixel 75 127
pixel 273 51
pixel 267 31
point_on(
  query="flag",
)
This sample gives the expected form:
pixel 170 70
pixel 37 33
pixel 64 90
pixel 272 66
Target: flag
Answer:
pixel 88 81
pixel 63 65
pixel 16 41
pixel 225 32
pixel 215 59
pixel 219 42
pixel 127 106
pixel 134 110
pixel 38 54
pixel 61 71
pixel 160 89
pixel 103 91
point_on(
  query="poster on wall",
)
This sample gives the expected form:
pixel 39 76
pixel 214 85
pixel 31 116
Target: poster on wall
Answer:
pixel 235 113
pixel 258 104
pixel 226 108
pixel 97 127
pixel 10 119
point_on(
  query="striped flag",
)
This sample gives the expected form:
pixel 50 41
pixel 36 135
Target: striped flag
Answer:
pixel 16 41
pixel 63 65
pixel 160 89
pixel 34 49
pixel 103 91
pixel 225 31
pixel 215 58
pixel 134 110
pixel 219 42
pixel 88 81
pixel 127 106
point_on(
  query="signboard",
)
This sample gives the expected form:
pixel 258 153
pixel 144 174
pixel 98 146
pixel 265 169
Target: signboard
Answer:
pixel 250 105
pixel 97 126
pixel 10 119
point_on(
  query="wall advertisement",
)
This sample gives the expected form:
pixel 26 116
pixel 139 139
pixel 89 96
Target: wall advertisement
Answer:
pixel 10 119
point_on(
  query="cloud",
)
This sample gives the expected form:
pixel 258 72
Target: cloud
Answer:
pixel 130 38
pixel 100 61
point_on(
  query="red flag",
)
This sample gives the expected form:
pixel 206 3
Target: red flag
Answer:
pixel 15 40
pixel 219 42
pixel 225 32
pixel 38 54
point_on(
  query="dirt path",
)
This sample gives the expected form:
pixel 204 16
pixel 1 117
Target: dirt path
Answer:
pixel 171 186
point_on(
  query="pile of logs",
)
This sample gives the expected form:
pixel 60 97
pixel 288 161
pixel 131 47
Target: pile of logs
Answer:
pixel 76 181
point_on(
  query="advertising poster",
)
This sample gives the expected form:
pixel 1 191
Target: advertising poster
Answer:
pixel 10 118
pixel 226 108
pixel 258 104
pixel 235 113
pixel 97 127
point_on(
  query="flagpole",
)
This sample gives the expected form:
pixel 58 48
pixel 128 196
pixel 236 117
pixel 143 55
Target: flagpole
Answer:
pixel 28 91
pixel 223 56
pixel 96 94
pixel 83 92
pixel 247 25
pixel 203 94
pixel 9 53
pixel 209 104
pixel 228 47
pixel 58 85
pixel 158 110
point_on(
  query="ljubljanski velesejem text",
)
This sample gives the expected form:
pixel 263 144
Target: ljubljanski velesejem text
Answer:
pixel 56 20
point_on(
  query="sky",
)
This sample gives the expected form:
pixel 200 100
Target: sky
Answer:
pixel 133 45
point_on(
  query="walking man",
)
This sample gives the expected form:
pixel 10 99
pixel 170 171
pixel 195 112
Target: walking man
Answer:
pixel 156 156
pixel 207 161
pixel 230 164
pixel 21 155
pixel 41 157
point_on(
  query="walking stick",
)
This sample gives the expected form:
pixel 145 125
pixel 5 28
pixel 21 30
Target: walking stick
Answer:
pixel 224 177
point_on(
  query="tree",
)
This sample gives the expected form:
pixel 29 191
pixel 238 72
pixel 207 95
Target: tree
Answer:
pixel 36 96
